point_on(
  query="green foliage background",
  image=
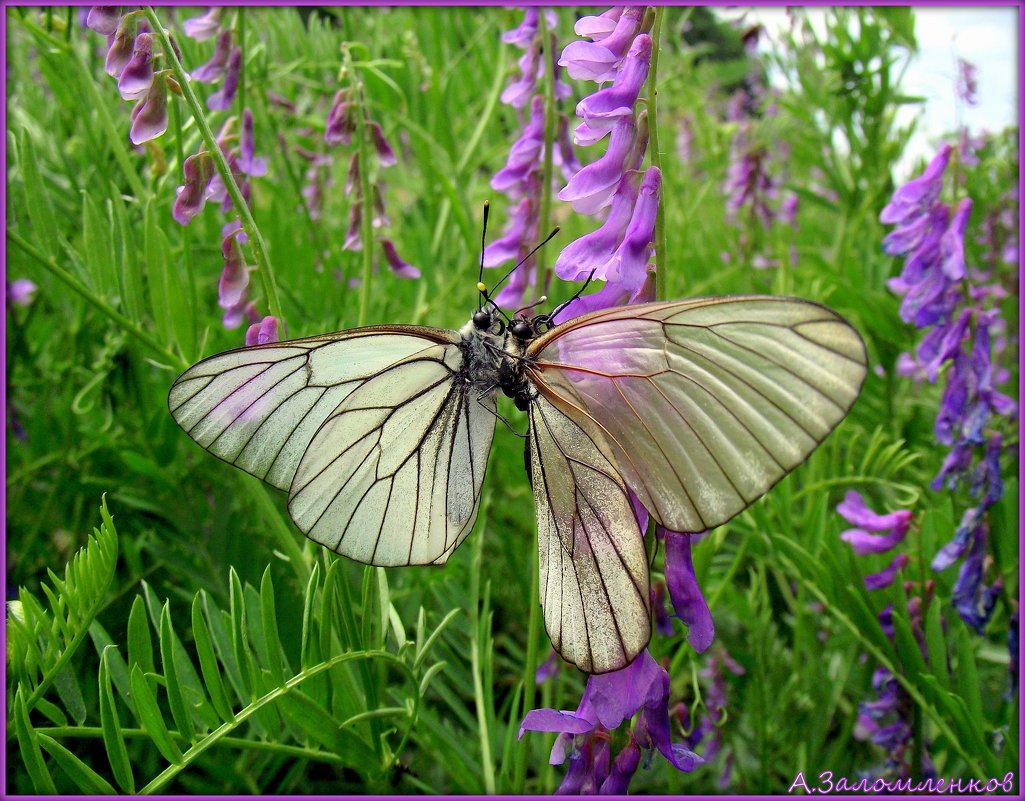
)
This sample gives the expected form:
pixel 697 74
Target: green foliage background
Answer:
pixel 204 646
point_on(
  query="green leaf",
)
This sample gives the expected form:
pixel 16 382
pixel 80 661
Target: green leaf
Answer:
pixel 66 685
pixel 140 644
pixel 306 655
pixel 208 662
pixel 275 653
pixel 110 723
pixel 117 666
pixel 52 712
pixel 176 701
pixel 936 645
pixel 129 275
pixel 98 247
pixel 85 778
pixel 169 297
pixel 151 719
pixel 37 199
pixel 44 643
pixel 322 729
pixel 28 744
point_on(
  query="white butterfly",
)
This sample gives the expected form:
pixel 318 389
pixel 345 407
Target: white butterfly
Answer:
pixel 381 435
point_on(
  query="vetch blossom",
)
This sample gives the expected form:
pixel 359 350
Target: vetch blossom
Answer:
pixel 149 117
pixel 593 252
pixel 591 189
pixel 401 268
pixel 122 46
pixel 340 121
pixel 214 68
pixel 600 110
pixel 263 332
pixel 247 161
pixel 599 60
pixel 204 27
pixel 689 603
pixel 137 75
pixel 640 689
pixel 225 96
pixel 21 292
pixel 192 195
pixel 887 530
pixel 103 19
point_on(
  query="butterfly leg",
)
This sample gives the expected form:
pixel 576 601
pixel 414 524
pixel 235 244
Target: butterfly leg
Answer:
pixel 508 425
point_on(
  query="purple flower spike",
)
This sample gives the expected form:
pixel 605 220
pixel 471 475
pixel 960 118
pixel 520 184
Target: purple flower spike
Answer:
pixel 121 46
pixel 263 332
pixel 247 162
pixel 204 27
pixel 234 281
pixel 401 268
pixel 340 123
pixel 591 189
pixel 952 242
pixel 854 510
pixel 917 195
pixel 21 292
pixel 689 604
pixel 223 98
pixel 385 155
pixel 624 766
pixel 136 77
pixel 214 68
pixel 103 19
pixel 149 117
pixel 600 110
pixel 198 169
pixel 524 154
pixel 593 251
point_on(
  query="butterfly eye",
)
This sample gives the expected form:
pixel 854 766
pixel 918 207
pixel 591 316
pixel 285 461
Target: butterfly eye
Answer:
pixel 521 329
pixel 482 321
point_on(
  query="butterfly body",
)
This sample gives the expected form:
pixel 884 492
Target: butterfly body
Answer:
pixel 381 435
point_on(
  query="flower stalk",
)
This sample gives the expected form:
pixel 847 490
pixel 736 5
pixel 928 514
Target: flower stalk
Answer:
pixel 266 271
pixel 656 157
pixel 545 214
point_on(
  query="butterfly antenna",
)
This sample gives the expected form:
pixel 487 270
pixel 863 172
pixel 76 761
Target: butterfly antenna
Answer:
pixel 538 302
pixel 538 247
pixel 576 295
pixel 481 287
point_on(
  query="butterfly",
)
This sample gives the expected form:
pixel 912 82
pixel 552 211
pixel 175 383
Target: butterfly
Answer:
pixel 381 435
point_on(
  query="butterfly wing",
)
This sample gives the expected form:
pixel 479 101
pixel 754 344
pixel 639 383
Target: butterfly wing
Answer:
pixel 264 409
pixel 593 566
pixel 705 403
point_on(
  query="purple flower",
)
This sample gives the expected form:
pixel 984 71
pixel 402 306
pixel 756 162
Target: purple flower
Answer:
pixel 262 332
pixel 854 510
pixel 885 577
pixel 225 96
pixel 507 247
pixel 525 153
pixel 341 123
pixel 967 82
pixel 198 169
pixel 205 26
pixel 590 61
pixel 689 604
pixel 21 292
pixel 247 162
pixel 952 242
pixel 600 110
pixel 385 155
pixel 629 264
pixel 917 196
pixel 233 286
pixel 973 600
pixel 103 19
pixel 149 117
pixel 972 518
pixel 523 34
pixel 136 77
pixel 593 252
pixel 600 27
pixel 214 68
pixel 353 240
pixel 399 267
pixel 121 46
pixel 591 189
pixel 609 700
pixel 517 93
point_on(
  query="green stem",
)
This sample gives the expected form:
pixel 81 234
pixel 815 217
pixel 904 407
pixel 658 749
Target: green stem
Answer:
pixel 100 305
pixel 186 235
pixel 241 28
pixel 544 221
pixel 222 731
pixel 366 198
pixel 529 665
pixel 656 158
pixel 298 752
pixel 255 237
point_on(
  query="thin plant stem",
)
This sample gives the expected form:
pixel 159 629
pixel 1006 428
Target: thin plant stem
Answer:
pixel 367 200
pixel 656 158
pixel 176 121
pixel 241 29
pixel 255 237
pixel 545 212
pixel 529 664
